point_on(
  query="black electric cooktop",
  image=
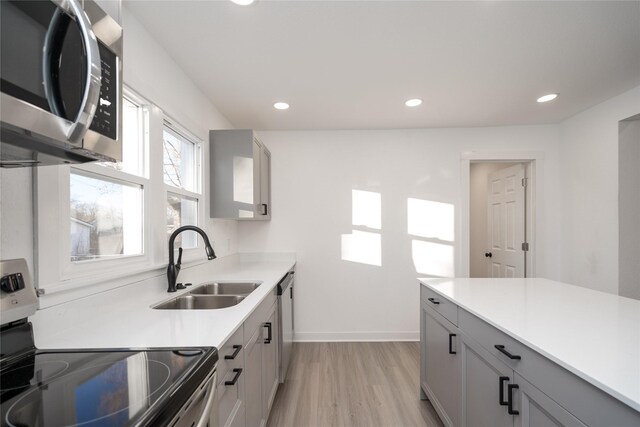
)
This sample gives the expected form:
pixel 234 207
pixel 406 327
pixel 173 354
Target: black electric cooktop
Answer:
pixel 94 387
pixel 101 387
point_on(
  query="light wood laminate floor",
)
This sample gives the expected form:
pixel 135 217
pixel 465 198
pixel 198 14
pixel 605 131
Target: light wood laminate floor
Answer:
pixel 353 384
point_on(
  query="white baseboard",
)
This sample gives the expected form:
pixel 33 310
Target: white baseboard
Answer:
pixel 355 336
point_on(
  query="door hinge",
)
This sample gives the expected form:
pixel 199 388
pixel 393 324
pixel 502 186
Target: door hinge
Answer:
pixel 525 181
pixel 525 246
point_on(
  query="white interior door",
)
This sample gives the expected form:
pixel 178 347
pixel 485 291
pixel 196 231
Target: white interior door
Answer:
pixel 506 222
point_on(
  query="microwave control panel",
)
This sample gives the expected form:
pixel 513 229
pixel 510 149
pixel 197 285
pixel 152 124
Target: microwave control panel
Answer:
pixel 105 121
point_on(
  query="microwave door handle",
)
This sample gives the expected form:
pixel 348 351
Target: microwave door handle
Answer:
pixel 78 128
pixel 53 40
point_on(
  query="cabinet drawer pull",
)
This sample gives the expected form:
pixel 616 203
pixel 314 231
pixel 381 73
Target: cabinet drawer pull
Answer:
pixel 433 301
pixel 451 351
pixel 238 372
pixel 510 409
pixel 501 383
pixel 236 349
pixel 269 333
pixel 502 350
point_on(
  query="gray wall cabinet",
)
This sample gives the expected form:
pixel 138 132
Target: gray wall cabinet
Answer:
pixel 240 175
pixel 481 386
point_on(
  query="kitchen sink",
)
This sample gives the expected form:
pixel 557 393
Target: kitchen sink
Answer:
pixel 226 288
pixel 200 302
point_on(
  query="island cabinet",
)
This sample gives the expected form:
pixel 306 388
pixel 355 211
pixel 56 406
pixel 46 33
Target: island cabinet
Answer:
pixel 476 375
pixel 494 395
pixel 441 362
pixel 240 175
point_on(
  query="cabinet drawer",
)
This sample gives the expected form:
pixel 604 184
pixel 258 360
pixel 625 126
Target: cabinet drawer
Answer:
pixel 230 403
pixel 440 304
pixel 259 315
pixel 231 348
pixel 573 393
pixel 488 336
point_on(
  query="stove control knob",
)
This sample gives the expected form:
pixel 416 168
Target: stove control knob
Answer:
pixel 12 282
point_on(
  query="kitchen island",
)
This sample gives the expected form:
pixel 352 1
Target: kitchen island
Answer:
pixel 533 350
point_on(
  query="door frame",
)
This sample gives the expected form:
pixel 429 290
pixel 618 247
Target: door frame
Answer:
pixel 534 161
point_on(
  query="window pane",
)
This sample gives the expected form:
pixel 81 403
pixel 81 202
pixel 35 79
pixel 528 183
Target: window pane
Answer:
pixel 180 165
pixel 182 211
pixel 133 140
pixel 106 218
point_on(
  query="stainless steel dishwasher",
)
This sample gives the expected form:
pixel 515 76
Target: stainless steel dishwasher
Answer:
pixel 285 322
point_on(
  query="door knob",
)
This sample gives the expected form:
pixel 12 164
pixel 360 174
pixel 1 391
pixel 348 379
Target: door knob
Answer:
pixel 488 254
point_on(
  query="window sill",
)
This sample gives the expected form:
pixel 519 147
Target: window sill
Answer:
pixel 79 287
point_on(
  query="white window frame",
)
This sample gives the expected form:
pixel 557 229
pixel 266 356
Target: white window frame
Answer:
pixel 56 271
pixel 190 254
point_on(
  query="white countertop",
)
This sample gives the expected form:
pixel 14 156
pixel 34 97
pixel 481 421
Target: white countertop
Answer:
pixel 123 317
pixel 593 334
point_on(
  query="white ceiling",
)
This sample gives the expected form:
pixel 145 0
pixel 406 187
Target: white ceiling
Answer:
pixel 352 64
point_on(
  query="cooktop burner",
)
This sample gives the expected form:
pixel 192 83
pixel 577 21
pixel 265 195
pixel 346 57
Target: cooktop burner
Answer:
pixel 93 388
pixel 27 376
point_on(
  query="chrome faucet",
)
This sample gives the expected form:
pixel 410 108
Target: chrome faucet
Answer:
pixel 174 269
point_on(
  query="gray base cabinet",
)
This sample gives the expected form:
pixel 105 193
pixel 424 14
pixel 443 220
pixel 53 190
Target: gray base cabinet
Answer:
pixel 231 382
pixel 248 369
pixel 253 379
pixel 269 362
pixel 441 365
pixel 512 385
pixel 537 409
pixel 484 387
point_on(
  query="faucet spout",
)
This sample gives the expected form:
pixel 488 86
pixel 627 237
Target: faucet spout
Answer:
pixel 172 268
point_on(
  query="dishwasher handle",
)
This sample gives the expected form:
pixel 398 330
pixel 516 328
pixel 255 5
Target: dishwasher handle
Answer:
pixel 209 397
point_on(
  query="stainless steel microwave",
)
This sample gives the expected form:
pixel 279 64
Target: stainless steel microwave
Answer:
pixel 60 83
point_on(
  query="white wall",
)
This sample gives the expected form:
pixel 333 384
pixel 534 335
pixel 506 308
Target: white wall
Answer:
pixel 629 207
pixel 16 219
pixel 589 181
pixel 313 175
pixel 479 174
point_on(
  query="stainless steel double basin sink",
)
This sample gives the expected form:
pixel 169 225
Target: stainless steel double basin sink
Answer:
pixel 210 296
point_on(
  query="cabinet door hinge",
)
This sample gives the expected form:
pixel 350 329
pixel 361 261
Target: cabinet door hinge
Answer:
pixel 525 246
pixel 525 181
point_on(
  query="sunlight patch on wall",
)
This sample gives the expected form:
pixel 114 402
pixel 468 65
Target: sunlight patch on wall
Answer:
pixel 433 259
pixel 366 209
pixel 363 247
pixel 433 220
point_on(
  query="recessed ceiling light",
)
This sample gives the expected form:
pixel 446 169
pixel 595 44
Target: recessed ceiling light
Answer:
pixel 413 102
pixel 243 2
pixel 547 98
pixel 281 106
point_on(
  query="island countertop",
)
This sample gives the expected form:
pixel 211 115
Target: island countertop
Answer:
pixel 592 334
